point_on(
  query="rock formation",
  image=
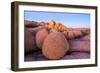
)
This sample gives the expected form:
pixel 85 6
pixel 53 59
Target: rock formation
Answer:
pixel 53 26
pixel 55 46
pixel 54 39
pixel 40 37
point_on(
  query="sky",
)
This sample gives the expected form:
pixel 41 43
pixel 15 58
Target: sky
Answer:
pixel 73 20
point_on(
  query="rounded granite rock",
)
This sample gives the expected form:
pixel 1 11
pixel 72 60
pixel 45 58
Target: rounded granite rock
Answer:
pixel 69 34
pixel 55 46
pixel 77 33
pixel 40 37
pixel 29 41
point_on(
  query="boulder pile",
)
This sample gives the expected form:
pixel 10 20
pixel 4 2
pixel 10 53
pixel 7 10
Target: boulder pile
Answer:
pixel 50 37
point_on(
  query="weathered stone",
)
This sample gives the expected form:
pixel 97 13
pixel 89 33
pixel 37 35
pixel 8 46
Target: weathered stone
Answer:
pixel 40 37
pixel 55 46
pixel 29 41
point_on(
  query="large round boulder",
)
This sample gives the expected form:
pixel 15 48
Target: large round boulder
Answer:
pixel 55 46
pixel 40 37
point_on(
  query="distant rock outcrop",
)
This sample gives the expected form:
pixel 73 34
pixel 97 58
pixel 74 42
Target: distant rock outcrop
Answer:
pixel 53 26
pixel 28 23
